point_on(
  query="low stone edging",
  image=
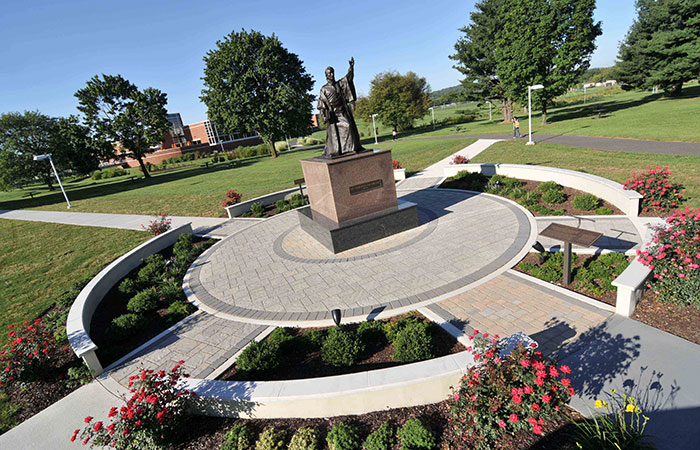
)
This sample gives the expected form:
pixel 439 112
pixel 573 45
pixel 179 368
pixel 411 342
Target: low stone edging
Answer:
pixel 268 199
pixel 85 304
pixel 611 191
pixel 358 393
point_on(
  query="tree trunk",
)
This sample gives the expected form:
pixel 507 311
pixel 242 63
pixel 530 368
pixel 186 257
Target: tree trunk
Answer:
pixel 507 107
pixel 676 90
pixel 143 167
pixel 273 152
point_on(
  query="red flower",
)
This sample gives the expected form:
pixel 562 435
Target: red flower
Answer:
pixel 535 407
pixel 88 419
pixel 528 389
pixel 75 434
pixel 537 429
pixel 565 382
pixel 517 399
pixel 112 412
pixel 539 381
pixel 97 427
pixel 525 363
pixel 546 398
pixel 513 418
pixel 501 424
pixel 532 421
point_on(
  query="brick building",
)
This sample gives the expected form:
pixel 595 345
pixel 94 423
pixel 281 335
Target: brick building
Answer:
pixel 197 137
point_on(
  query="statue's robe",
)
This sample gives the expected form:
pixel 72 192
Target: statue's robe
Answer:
pixel 336 103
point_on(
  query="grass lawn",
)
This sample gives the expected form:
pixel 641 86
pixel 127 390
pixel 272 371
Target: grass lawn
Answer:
pixel 617 166
pixel 40 261
pixel 639 115
pixel 197 191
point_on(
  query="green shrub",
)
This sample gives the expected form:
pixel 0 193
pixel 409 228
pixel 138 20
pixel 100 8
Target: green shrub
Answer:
pixel 305 439
pixel 170 291
pixel 342 347
pixel 80 284
pixel 413 343
pixel 551 268
pixel 501 184
pixel 596 278
pixel 144 301
pixel 239 437
pixel 128 287
pixel 381 439
pixel 549 186
pixel 553 197
pixel 180 309
pixel 586 202
pixel 66 299
pixel 282 205
pixel 343 436
pixel 184 246
pixel 125 325
pixel 604 211
pixel 153 270
pixel 281 338
pixel 257 209
pixel 312 340
pixel 531 198
pixel 281 146
pixel 297 201
pixel 416 436
pixel 371 330
pixel 258 358
pixel 544 211
pixel 97 175
pixel 392 327
pixel 271 439
pixel 78 375
pixel 517 193
pixel 466 180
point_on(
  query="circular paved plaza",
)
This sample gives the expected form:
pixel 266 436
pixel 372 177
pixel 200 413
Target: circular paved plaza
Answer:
pixel 273 272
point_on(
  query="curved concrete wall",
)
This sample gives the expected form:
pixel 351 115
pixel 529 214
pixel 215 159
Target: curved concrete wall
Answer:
pixel 408 385
pixel 268 199
pixel 613 192
pixel 84 306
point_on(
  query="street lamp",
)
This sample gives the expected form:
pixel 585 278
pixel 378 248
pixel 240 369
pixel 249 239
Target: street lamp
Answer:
pixel 42 157
pixel 374 127
pixel 529 111
pixel 490 104
pixel 432 110
pixel 584 94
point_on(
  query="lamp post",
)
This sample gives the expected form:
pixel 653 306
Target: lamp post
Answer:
pixel 432 110
pixel 584 94
pixel 529 111
pixel 490 104
pixel 374 127
pixel 48 156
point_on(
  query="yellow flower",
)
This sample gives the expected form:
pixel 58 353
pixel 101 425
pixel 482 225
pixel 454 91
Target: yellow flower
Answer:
pixel 613 390
pixel 630 408
pixel 600 404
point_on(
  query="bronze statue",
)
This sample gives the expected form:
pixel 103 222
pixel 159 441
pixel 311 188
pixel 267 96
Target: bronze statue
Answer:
pixel 336 104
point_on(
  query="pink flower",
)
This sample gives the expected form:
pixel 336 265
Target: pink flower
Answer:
pixel 501 424
pixel 546 398
pixel 565 369
pixel 525 363
pixel 513 418
pixel 517 399
pixel 456 396
pixel 537 429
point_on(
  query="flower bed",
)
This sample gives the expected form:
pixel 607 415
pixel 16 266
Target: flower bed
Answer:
pixel 540 198
pixel 292 353
pixel 145 302
pixel 259 210
pixel 659 193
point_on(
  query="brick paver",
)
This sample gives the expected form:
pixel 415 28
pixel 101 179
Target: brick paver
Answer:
pixel 508 304
pixel 203 341
pixel 246 276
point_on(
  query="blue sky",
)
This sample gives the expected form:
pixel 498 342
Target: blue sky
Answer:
pixel 50 49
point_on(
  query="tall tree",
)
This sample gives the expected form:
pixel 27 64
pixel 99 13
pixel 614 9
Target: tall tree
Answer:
pixel 399 99
pixel 546 42
pixel 118 112
pixel 251 82
pixel 476 56
pixel 662 47
pixel 80 152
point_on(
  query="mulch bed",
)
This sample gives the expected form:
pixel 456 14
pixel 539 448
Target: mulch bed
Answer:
pixel 301 364
pixel 208 432
pixel 609 297
pixel 674 319
pixel 568 205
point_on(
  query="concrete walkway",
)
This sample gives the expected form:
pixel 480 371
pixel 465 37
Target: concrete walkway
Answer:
pixel 203 226
pixel 600 143
pixel 619 233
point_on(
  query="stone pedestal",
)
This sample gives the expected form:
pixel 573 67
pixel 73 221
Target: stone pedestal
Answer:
pixel 353 200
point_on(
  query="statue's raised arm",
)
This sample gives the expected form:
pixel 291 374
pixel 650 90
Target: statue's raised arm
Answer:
pixel 351 69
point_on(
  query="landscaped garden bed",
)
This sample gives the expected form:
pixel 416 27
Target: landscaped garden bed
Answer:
pixel 293 353
pixel 259 210
pixel 592 275
pixel 146 302
pixel 540 198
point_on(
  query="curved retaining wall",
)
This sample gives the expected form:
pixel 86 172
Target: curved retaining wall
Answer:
pixel 613 192
pixel 84 306
pixel 268 199
pixel 408 385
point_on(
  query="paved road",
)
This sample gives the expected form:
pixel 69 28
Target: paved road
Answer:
pixel 600 143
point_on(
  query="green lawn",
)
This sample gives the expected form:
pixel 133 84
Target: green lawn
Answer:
pixel 639 115
pixel 197 191
pixel 617 166
pixel 40 261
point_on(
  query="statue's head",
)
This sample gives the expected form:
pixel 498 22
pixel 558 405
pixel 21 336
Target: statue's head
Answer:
pixel 330 74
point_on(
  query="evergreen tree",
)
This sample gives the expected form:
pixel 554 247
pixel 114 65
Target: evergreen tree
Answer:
pixel 546 42
pixel 251 82
pixel 662 47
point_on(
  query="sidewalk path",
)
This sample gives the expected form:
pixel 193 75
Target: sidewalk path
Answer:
pixel 600 143
pixel 203 226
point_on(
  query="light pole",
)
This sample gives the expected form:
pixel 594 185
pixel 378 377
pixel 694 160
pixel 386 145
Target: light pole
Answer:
pixel 374 127
pixel 529 111
pixel 432 110
pixel 42 157
pixel 490 104
pixel 584 94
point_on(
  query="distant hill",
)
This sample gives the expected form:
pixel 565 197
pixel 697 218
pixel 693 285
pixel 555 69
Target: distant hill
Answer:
pixel 448 90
